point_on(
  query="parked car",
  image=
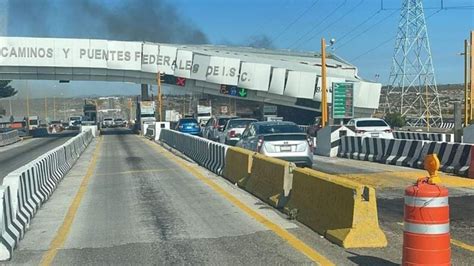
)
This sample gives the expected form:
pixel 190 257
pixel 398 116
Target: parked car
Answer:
pixel 215 126
pixel 371 127
pixel 284 140
pixel 119 122
pixel 233 129
pixel 107 122
pixel 189 126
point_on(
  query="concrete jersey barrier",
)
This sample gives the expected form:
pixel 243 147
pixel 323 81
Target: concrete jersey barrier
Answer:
pixel 344 212
pixel 9 137
pixel 206 153
pixel 238 165
pixel 443 137
pixel 270 179
pixel 454 157
pixel 24 190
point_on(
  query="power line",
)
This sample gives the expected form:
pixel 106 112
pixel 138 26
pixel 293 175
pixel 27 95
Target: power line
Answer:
pixel 359 25
pixel 366 30
pixel 313 28
pixel 335 21
pixel 388 40
pixel 296 20
pixel 268 19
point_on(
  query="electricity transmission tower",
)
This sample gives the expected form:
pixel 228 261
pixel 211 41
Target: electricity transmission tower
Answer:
pixel 412 87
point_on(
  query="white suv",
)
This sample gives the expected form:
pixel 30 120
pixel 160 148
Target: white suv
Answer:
pixel 371 127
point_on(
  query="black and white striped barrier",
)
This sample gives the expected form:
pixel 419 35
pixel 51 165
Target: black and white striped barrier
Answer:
pixel 328 140
pixel 443 137
pixel 24 190
pixel 373 149
pixel 402 152
pixel 206 153
pixel 351 147
pixel 9 137
pixel 150 132
pixel 454 157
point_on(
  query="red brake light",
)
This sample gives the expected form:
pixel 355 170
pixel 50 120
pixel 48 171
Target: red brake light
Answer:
pixel 388 131
pixel 259 144
pixel 360 131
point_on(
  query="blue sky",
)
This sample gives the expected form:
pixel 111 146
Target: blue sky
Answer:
pixel 237 21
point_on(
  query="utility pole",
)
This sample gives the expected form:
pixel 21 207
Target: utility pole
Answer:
pixel 468 77
pixel 54 107
pixel 10 103
pixel 324 97
pixel 159 98
pixel 471 76
pixel 27 109
pixel 45 108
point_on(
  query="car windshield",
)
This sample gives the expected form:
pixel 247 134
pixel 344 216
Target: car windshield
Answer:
pixel 223 121
pixel 108 119
pixel 240 123
pixel 371 123
pixel 274 129
pixel 188 121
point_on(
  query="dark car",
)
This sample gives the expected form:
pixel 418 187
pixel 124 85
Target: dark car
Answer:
pixel 189 126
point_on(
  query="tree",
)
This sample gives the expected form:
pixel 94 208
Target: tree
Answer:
pixel 6 90
pixel 395 119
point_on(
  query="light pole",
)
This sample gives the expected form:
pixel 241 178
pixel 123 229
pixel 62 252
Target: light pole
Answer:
pixel 324 95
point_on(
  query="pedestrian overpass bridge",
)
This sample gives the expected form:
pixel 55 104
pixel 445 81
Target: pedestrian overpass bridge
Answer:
pixel 279 77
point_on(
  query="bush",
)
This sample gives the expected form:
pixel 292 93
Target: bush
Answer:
pixel 395 119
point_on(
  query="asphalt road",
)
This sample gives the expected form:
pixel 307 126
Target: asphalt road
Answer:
pixel 142 208
pixel 16 155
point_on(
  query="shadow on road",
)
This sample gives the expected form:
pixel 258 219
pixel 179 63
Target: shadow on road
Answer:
pixel 43 133
pixel 369 260
pixel 116 131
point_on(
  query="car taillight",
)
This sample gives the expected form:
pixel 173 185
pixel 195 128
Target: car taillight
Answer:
pixel 259 144
pixel 388 131
pixel 232 134
pixel 360 131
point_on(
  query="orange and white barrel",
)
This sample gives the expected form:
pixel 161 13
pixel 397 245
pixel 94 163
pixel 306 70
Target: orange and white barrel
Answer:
pixel 426 237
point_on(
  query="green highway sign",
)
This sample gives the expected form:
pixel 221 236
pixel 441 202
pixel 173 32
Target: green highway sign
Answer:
pixel 342 100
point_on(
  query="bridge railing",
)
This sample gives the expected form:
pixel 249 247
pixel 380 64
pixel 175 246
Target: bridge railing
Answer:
pixel 25 190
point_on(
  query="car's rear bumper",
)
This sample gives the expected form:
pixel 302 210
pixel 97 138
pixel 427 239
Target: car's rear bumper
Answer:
pixel 196 133
pixel 231 142
pixel 299 161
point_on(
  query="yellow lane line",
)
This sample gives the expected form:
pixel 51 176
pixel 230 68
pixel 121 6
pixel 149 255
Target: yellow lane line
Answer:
pixel 63 231
pixel 136 171
pixel 462 245
pixel 454 242
pixel 291 239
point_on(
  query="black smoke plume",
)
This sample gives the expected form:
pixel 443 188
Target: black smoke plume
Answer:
pixel 128 20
